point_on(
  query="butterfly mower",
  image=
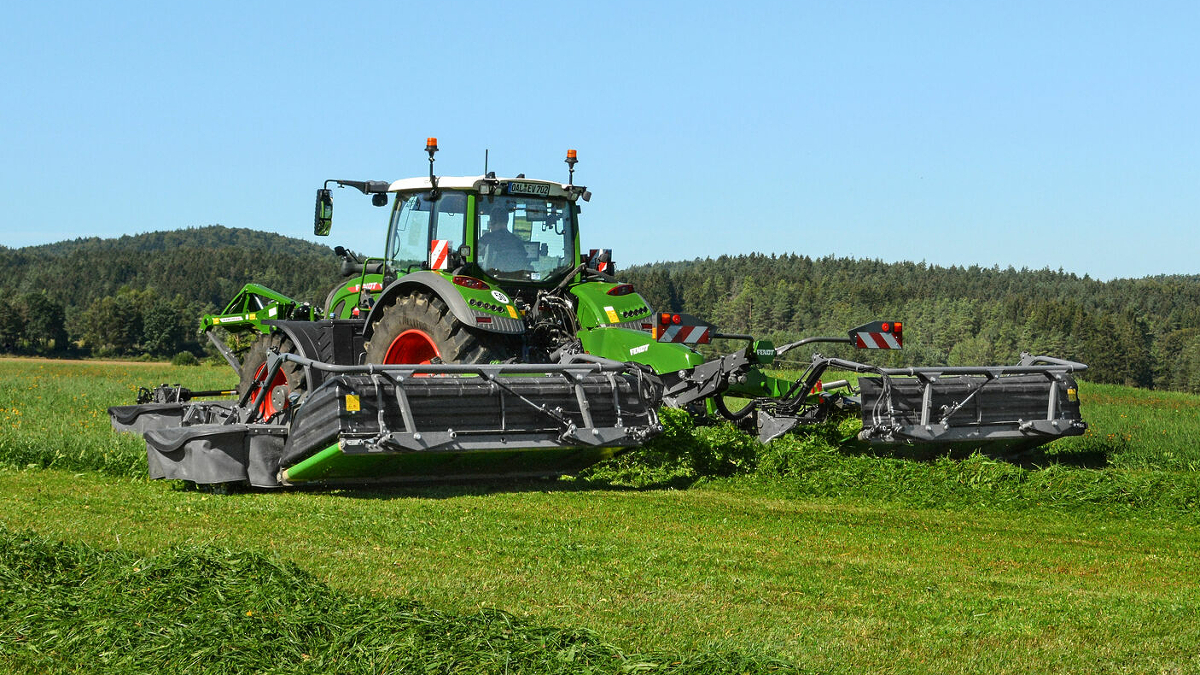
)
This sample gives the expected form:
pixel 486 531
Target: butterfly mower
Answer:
pixel 484 343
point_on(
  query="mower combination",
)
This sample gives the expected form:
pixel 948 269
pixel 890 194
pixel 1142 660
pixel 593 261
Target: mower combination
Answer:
pixel 485 343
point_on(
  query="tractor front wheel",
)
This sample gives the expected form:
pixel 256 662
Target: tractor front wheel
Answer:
pixel 419 328
pixel 289 378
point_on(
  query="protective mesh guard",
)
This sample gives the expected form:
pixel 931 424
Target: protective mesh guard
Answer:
pixel 1026 410
pixel 464 414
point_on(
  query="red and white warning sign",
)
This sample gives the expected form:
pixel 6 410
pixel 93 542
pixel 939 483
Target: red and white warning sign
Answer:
pixel 691 335
pixel 682 328
pixel 879 335
pixel 439 254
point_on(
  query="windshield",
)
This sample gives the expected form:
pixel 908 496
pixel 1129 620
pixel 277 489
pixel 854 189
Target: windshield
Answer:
pixel 525 238
pixel 418 219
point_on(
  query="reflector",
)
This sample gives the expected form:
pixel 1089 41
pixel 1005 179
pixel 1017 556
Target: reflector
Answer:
pixel 471 282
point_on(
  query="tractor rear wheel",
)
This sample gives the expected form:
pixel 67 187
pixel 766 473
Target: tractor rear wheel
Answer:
pixel 419 328
pixel 289 379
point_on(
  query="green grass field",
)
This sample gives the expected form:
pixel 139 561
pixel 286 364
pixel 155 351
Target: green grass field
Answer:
pixel 1083 561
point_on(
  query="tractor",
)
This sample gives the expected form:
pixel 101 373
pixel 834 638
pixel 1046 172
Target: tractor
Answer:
pixel 485 343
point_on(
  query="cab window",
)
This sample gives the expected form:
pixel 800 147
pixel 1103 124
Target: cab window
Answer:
pixel 418 216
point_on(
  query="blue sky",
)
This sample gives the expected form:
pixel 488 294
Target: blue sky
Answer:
pixel 1031 134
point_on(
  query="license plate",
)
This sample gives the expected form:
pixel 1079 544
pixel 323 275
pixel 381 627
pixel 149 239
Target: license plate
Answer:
pixel 540 189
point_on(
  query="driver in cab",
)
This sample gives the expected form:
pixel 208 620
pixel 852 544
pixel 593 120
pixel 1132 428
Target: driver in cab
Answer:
pixel 502 250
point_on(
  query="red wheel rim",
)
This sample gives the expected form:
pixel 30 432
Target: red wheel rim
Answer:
pixel 412 346
pixel 268 406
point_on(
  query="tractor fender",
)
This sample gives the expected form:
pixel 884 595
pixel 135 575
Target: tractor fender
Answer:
pixel 329 341
pixel 435 283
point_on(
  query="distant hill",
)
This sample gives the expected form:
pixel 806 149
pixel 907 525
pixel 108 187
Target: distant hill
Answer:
pixel 203 264
pixel 211 236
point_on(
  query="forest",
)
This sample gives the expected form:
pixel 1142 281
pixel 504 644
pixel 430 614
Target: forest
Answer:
pixel 141 295
pixel 1140 332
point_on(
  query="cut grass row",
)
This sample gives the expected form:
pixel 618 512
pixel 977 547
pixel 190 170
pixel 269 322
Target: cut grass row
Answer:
pixel 826 584
pixel 203 609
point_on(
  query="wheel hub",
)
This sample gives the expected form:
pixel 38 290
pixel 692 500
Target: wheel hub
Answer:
pixel 412 346
pixel 277 391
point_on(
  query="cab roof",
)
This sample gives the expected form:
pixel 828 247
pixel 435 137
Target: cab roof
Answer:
pixel 472 183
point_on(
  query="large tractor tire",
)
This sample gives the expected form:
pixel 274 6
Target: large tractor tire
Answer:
pixel 289 379
pixel 419 328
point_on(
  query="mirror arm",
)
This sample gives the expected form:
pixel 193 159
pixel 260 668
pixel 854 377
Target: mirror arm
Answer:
pixel 367 187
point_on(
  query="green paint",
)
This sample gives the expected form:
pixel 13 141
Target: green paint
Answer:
pixel 595 304
pixel 255 304
pixel 332 465
pixel 472 225
pixel 623 344
pixel 349 299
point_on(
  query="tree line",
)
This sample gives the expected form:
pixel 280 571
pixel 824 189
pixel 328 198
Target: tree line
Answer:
pixel 1141 332
pixel 144 294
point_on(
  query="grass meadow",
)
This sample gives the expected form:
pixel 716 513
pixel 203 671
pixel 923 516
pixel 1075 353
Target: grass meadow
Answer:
pixel 703 552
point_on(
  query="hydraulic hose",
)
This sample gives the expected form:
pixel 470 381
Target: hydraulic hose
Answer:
pixel 719 404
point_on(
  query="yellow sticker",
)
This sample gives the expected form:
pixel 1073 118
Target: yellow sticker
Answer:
pixel 612 315
pixel 352 403
pixel 512 311
pixel 1072 395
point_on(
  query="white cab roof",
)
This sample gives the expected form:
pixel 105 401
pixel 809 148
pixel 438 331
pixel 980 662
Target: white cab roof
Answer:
pixel 469 183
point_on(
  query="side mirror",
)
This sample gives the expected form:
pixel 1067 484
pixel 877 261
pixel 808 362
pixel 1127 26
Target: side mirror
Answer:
pixel 324 213
pixel 460 257
pixel 601 260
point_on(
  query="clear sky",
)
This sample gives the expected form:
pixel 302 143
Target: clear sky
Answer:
pixel 1032 134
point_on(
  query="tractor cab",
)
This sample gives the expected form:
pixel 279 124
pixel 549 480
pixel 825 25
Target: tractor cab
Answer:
pixel 497 262
pixel 511 232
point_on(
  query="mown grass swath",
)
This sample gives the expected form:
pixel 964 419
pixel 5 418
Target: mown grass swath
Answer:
pixel 207 610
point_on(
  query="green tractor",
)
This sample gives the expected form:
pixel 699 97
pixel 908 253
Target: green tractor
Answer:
pixel 486 343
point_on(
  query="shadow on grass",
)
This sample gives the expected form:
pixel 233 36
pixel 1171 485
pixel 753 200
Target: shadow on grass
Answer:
pixel 431 490
pixel 449 490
